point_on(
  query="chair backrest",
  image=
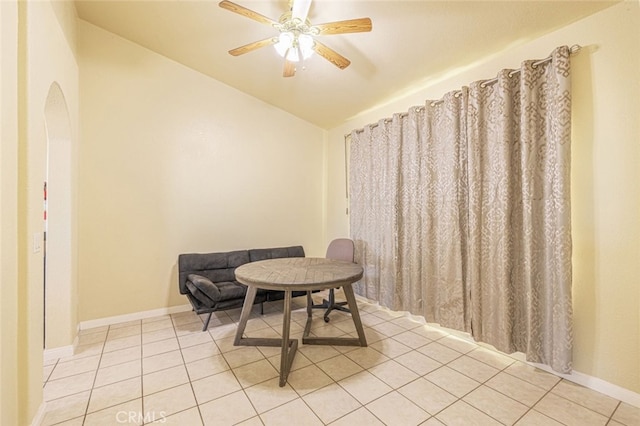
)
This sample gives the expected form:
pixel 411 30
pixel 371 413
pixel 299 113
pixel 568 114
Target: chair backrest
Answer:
pixel 340 249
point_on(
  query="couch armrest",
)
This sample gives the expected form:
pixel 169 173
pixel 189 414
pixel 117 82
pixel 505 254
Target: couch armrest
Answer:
pixel 203 289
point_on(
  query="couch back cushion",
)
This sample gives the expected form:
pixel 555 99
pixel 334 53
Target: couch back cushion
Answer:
pixel 275 253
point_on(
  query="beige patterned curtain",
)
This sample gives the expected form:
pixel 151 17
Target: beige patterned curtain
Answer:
pixel 461 212
pixel 375 185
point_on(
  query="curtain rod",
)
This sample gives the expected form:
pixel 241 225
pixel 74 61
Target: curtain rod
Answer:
pixel 572 50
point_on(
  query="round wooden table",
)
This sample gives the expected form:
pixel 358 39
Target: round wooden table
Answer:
pixel 298 274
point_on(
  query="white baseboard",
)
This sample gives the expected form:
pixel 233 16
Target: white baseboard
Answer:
pixel 133 316
pixel 61 352
pixel 39 417
pixel 596 384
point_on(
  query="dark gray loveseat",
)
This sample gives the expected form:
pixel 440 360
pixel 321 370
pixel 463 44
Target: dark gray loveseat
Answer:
pixel 208 279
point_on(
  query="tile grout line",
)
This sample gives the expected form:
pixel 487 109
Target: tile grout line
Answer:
pixel 559 395
pixel 184 364
pixel 55 364
pixel 143 413
pixel 95 377
pixel 458 399
pixel 614 412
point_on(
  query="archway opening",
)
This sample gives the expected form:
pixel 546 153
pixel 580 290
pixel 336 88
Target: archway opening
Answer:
pixel 60 299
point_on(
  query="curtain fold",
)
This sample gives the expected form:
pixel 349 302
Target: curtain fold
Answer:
pixel 460 211
pixel 375 185
pixel 443 202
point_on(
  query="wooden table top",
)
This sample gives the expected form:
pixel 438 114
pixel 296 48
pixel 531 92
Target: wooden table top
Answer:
pixel 298 273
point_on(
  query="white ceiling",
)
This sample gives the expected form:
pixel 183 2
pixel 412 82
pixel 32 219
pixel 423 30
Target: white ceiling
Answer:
pixel 410 41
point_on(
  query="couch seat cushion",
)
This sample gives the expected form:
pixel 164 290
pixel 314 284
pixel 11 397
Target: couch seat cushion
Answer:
pixel 231 290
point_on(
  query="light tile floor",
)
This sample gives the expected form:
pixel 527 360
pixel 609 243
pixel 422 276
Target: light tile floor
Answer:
pixel 167 370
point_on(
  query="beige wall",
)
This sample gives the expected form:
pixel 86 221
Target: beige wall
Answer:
pixel 37 52
pixel 49 31
pixel 60 111
pixel 8 213
pixel 605 180
pixel 173 162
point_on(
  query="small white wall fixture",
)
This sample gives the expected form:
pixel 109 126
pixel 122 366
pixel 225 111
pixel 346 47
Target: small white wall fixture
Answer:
pixel 60 299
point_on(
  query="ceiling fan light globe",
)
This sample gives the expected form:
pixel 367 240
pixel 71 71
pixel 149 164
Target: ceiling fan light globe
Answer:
pixel 306 45
pixel 285 43
pixel 292 55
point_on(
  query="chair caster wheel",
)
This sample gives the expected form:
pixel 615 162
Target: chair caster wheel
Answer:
pixel 326 319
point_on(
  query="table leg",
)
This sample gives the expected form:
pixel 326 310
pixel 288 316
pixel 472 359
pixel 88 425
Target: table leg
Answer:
pixel 288 346
pixel 246 312
pixel 361 340
pixel 309 304
pixel 286 354
pixel 355 314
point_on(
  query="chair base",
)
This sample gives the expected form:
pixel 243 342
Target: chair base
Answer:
pixel 331 305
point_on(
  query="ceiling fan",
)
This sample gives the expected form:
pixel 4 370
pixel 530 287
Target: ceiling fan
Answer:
pixel 296 41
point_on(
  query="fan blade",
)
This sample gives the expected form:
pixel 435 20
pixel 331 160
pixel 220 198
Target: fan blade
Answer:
pixel 300 9
pixel 253 46
pixel 331 55
pixel 236 8
pixel 359 25
pixel 289 69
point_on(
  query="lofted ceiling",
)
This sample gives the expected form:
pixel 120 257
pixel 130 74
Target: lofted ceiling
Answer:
pixel 410 41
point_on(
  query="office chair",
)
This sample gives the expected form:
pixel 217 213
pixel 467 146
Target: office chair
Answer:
pixel 339 249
